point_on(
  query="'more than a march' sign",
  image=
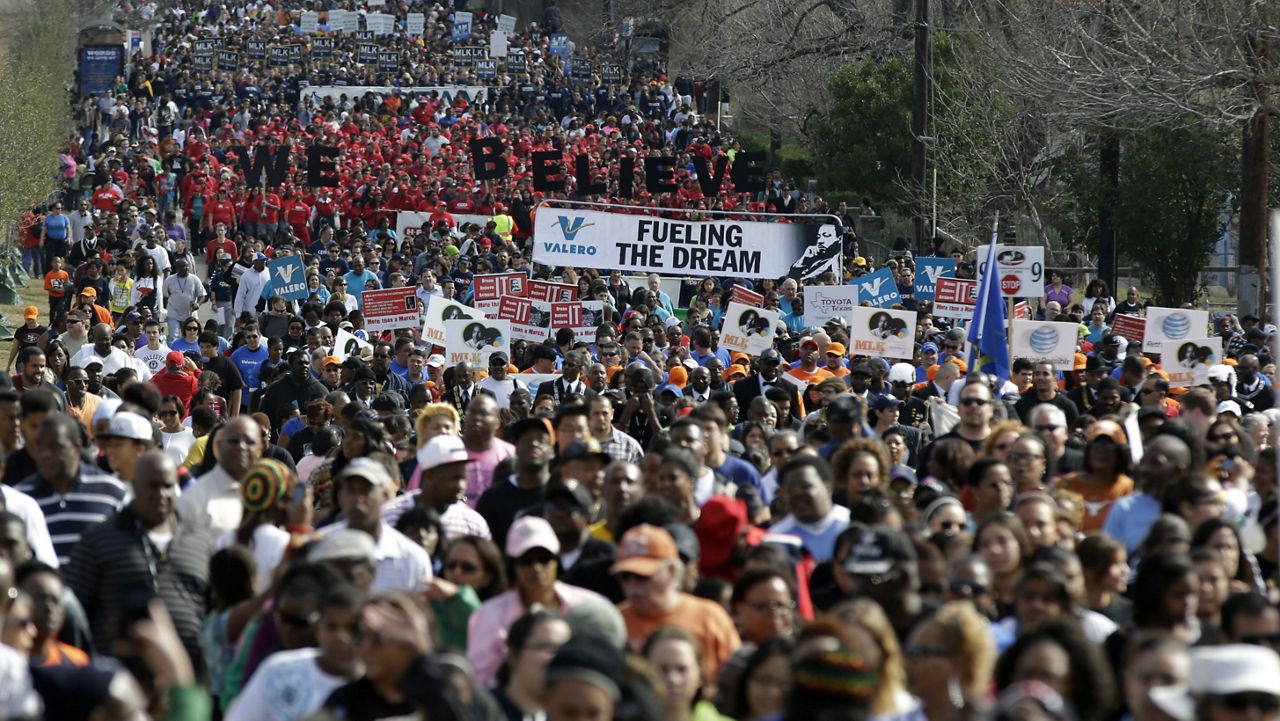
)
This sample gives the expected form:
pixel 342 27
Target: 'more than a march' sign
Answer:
pixel 650 244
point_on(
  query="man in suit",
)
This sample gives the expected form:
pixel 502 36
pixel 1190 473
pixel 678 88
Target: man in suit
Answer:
pixel 462 389
pixel 570 383
pixel 765 377
pixel 941 384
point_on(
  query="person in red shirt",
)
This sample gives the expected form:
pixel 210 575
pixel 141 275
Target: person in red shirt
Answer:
pixel 298 216
pixel 220 210
pixel 269 209
pixel 180 377
pixel 106 199
pixel 220 243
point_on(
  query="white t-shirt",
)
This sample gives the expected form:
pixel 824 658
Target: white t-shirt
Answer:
pixel 502 389
pixel 178 445
pixel 267 546
pixel 153 358
pixel 288 685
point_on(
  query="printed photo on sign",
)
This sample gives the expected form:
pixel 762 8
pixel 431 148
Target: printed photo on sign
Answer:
pixel 1191 359
pixel 583 318
pixel 529 319
pixel 1021 269
pixel 650 244
pixel 390 308
pixel 955 298
pixel 1172 325
pixel 746 329
pixel 489 290
pixel 288 278
pixel 824 302
pixel 1040 340
pixel 439 312
pixel 879 289
pixel 928 271
pixel 549 292
pixel 345 344
pixel 882 333
pixel 475 340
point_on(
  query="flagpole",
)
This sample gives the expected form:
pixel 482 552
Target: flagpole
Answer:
pixel 1275 280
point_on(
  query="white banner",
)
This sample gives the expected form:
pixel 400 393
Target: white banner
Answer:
pixel 1021 269
pixel 411 222
pixel 475 340
pixel 1042 340
pixel 507 24
pixel 1189 361
pixel 1173 325
pixel 441 311
pixel 448 93
pixel 415 23
pixel 308 22
pixel 497 44
pixel 651 244
pixel 882 332
pixel 749 330
pixel 824 302
pixel 380 23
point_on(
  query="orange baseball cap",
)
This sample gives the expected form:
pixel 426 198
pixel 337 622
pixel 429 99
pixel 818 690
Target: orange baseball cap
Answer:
pixel 1080 362
pixel 644 549
pixel 1109 429
pixel 836 348
pixel 678 376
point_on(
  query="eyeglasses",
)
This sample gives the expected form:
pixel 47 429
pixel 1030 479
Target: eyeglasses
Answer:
pixel 192 327
pixel 1241 702
pixel 973 402
pixel 772 606
pixel 953 525
pixel 464 566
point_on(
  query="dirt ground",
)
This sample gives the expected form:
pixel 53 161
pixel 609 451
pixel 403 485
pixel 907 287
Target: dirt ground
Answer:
pixel 11 315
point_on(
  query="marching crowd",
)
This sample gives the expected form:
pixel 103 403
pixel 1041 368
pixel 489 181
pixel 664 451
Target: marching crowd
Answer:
pixel 210 508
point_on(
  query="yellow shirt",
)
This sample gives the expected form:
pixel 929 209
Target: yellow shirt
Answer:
pixel 196 454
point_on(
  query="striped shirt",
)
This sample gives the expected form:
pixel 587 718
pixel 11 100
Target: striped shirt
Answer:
pixel 92 498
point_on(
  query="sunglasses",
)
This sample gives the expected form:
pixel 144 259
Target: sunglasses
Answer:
pixel 973 402
pixel 1242 702
pixel 464 566
pixel 534 558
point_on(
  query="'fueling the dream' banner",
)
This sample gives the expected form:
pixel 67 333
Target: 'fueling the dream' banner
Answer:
pixel 723 248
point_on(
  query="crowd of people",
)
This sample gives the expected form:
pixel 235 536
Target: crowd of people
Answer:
pixel 208 510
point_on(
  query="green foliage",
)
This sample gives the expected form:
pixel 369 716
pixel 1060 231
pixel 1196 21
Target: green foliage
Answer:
pixel 863 144
pixel 35 118
pixel 1175 184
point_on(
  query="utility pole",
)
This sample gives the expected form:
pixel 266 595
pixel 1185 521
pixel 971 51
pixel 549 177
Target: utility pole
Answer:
pixel 920 126
pixel 1254 180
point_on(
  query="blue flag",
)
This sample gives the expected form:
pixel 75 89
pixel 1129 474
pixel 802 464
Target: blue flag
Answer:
pixel 989 348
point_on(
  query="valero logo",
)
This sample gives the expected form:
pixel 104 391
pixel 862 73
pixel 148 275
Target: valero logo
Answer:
pixel 1176 326
pixel 1044 340
pixel 570 228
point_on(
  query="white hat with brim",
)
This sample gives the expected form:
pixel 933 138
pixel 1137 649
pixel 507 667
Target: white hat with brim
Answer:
pixel 1220 671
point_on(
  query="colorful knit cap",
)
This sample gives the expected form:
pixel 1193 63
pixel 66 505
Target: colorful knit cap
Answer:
pixel 833 677
pixel 267 481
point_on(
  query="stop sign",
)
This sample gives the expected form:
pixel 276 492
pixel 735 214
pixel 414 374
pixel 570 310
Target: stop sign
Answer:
pixel 1010 284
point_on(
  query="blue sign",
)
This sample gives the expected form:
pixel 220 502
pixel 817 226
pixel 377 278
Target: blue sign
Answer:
pixel 99 66
pixel 928 271
pixel 288 278
pixel 461 26
pixel 559 45
pixel 880 289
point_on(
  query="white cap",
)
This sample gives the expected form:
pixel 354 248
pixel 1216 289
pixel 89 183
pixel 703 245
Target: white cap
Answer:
pixel 1230 407
pixel 1220 671
pixel 531 532
pixel 435 360
pixel 440 451
pixel 1220 372
pixel 107 407
pixel 370 470
pixel 129 425
pixel 902 373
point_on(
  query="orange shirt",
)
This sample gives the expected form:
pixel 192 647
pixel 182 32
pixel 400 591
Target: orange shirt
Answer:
pixel 61 654
pixel 818 375
pixel 1097 499
pixel 56 283
pixel 705 621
